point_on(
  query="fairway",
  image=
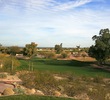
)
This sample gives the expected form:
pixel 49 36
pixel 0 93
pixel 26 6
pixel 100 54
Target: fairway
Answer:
pixel 64 66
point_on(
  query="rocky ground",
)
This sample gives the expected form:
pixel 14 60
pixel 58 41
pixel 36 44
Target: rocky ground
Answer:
pixel 12 85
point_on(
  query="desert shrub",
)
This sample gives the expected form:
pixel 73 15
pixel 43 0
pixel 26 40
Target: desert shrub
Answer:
pixel 50 55
pixel 99 93
pixel 18 90
pixel 74 89
pixel 86 79
pixel 8 62
pixel 28 79
pixel 98 79
pixel 41 52
pixel 3 75
pixel 83 55
pixel 40 80
pixel 46 54
pixel 64 55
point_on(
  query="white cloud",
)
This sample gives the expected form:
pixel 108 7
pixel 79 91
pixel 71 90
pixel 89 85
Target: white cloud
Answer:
pixel 72 4
pixel 35 5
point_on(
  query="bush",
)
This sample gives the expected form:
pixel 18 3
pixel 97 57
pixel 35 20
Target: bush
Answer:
pixel 46 54
pixel 75 89
pixel 98 79
pixel 64 55
pixel 43 81
pixel 3 75
pixel 18 90
pixel 50 55
pixel 7 64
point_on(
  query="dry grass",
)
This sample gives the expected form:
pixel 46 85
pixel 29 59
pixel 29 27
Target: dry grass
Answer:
pixel 71 85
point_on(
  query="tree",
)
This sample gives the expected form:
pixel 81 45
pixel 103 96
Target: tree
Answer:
pixel 0 45
pixel 30 49
pixel 3 49
pixel 58 48
pixel 101 49
pixel 14 50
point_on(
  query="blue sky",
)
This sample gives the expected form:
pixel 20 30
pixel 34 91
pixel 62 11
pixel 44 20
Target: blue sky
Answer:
pixel 50 22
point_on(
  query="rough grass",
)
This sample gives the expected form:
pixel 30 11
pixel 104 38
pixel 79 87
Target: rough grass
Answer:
pixel 64 66
pixel 31 97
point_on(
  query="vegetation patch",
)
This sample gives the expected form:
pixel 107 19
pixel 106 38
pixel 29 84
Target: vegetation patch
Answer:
pixel 3 75
pixel 71 86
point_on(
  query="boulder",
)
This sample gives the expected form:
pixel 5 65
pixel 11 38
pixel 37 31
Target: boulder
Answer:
pixel 30 91
pixel 33 91
pixel 8 91
pixel 38 92
pixel 57 93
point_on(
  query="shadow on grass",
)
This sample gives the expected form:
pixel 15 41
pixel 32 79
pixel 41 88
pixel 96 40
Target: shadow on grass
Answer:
pixel 71 63
pixel 63 62
pixel 73 66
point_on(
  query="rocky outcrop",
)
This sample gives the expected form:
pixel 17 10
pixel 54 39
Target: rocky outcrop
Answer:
pixel 8 91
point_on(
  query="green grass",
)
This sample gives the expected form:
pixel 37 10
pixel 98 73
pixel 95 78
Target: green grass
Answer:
pixel 31 97
pixel 62 66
